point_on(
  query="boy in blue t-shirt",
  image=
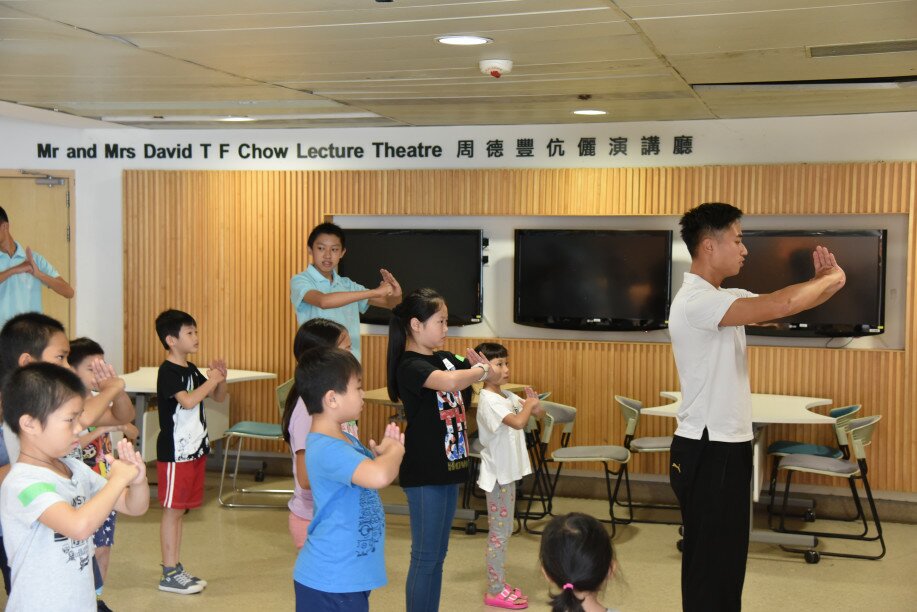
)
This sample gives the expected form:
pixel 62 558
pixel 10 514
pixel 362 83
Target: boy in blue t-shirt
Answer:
pixel 343 557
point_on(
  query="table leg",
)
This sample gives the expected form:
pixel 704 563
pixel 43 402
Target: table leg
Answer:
pixel 140 403
pixel 767 536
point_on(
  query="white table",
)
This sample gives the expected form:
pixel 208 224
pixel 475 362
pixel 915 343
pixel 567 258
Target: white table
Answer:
pixel 141 384
pixel 766 409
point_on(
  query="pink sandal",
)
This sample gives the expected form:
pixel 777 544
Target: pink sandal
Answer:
pixel 509 598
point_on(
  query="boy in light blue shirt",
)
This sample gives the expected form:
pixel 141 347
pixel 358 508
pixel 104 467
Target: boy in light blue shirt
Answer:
pixel 22 275
pixel 320 292
pixel 343 558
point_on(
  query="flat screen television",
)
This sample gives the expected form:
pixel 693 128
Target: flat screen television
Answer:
pixel 605 280
pixel 777 258
pixel 449 261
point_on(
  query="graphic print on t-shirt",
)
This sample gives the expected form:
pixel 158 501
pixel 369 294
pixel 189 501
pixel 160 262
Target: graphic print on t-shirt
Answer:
pixel 190 434
pixel 372 522
pixel 452 412
pixel 75 550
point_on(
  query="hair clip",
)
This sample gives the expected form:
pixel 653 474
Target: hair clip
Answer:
pixel 568 586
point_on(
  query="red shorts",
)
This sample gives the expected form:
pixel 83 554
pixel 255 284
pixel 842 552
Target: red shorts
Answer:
pixel 181 485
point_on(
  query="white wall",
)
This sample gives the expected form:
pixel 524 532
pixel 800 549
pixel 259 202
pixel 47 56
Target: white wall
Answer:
pixel 97 234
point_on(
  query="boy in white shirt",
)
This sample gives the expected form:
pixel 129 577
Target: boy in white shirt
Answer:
pixel 501 417
pixel 52 506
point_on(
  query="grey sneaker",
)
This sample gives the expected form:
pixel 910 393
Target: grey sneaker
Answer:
pixel 179 582
pixel 200 581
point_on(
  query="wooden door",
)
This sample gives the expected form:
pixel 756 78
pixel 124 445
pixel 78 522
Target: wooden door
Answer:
pixel 40 218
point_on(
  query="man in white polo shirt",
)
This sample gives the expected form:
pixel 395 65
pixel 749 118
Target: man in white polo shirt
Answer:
pixel 711 451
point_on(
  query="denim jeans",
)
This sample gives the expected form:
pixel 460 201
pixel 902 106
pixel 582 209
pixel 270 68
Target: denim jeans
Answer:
pixel 432 509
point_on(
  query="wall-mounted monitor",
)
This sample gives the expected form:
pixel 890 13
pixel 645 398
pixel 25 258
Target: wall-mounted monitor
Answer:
pixel 777 258
pixel 449 261
pixel 604 280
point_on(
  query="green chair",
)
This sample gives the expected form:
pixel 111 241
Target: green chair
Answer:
pixel 860 432
pixel 253 430
pixel 630 410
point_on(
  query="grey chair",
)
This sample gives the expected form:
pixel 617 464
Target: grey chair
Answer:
pixel 784 448
pixel 860 432
pixel 540 488
pixel 253 430
pixel 630 411
pixel 607 455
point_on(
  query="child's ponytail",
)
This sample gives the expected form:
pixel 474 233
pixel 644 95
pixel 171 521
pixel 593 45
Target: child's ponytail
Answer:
pixel 576 555
pixel 566 601
pixel 421 305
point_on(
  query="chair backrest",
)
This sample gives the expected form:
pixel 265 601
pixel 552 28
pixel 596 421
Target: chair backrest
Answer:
pixel 630 410
pixel 561 414
pixel 861 431
pixel 283 390
pixel 842 417
pixel 547 428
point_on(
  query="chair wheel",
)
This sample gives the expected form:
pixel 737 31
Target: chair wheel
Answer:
pixel 809 516
pixel 680 545
pixel 471 529
pixel 681 530
pixel 812 556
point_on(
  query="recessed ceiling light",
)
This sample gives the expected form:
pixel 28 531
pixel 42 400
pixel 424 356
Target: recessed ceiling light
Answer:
pixel 237 118
pixel 463 40
pixel 589 111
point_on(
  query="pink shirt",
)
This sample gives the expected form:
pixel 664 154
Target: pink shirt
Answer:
pixel 301 503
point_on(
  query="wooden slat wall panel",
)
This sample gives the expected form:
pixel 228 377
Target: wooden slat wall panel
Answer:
pixel 223 245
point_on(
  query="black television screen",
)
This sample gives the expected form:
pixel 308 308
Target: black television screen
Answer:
pixel 611 280
pixel 777 258
pixel 446 260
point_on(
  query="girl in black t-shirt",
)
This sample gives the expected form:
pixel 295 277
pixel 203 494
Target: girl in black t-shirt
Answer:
pixel 430 383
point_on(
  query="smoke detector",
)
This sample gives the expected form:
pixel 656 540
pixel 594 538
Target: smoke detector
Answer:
pixel 496 67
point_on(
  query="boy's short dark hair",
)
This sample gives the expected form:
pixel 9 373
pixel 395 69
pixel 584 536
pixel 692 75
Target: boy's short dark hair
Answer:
pixel 492 350
pixel 3 217
pixel 706 219
pixel 326 228
pixel 169 323
pixel 323 369
pixel 29 332
pixel 81 348
pixel 37 390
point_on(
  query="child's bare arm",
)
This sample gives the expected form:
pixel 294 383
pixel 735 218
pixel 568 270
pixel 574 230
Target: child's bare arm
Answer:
pixel 302 477
pixel 219 392
pixel 316 298
pixel 378 473
pixel 122 409
pixel 456 380
pixel 129 430
pixel 190 399
pixel 4 471
pixel 80 523
pixel 531 405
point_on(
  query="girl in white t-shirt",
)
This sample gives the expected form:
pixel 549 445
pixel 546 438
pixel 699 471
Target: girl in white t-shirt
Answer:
pixel 501 417
pixel 297 422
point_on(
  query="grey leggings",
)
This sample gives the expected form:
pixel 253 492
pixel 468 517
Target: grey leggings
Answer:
pixel 500 505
